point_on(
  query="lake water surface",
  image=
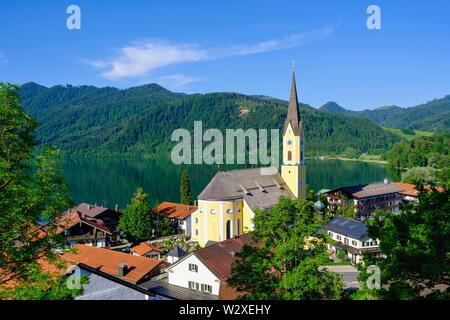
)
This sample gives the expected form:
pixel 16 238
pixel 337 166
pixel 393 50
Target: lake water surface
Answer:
pixel 111 181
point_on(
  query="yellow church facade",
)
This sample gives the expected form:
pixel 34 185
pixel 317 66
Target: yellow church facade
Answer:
pixel 226 205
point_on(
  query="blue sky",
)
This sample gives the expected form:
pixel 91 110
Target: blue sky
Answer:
pixel 241 46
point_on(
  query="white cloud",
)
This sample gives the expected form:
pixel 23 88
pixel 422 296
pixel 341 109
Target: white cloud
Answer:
pixel 141 58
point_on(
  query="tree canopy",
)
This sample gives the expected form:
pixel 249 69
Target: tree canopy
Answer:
pixel 284 263
pixel 32 196
pixel 415 247
pixel 135 221
pixel 185 188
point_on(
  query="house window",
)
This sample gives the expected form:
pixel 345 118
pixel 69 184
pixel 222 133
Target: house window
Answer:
pixel 330 233
pixel 346 241
pixel 228 226
pixel 196 220
pixel 289 155
pixel 354 243
pixel 196 232
pixel 301 156
pixel 193 267
pixel 238 226
pixel 213 211
pixel 206 288
pixel 338 237
pixel 229 211
pixel 194 285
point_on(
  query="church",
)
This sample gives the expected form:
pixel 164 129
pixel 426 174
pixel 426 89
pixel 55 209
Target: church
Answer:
pixel 225 206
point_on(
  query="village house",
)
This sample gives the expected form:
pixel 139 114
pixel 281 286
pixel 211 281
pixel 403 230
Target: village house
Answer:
pixel 409 191
pixel 208 269
pixel 145 249
pixel 175 254
pixel 128 267
pixel 112 275
pixel 350 236
pixel 180 214
pixel 225 206
pixel 367 198
pixel 89 224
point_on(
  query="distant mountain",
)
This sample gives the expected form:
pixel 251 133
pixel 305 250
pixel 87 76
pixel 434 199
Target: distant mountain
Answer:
pixel 88 120
pixel 334 107
pixel 431 116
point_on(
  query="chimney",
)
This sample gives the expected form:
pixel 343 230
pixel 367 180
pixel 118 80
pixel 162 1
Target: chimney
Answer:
pixel 122 270
pixel 386 181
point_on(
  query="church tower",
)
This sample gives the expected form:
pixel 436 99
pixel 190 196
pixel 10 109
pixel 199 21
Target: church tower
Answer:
pixel 293 169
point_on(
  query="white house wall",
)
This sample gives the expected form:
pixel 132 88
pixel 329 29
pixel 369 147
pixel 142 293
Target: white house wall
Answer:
pixel 180 275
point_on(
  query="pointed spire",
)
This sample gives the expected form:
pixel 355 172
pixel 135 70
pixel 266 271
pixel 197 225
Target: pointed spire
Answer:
pixel 293 116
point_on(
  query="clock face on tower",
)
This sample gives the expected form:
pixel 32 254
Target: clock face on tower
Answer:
pixel 289 142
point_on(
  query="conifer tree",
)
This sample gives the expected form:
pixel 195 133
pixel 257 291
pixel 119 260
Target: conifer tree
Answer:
pixel 185 188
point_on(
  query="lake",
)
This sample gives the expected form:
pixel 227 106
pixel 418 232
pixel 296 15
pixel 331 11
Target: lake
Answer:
pixel 111 181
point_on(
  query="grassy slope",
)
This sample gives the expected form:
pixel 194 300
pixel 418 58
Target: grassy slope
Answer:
pixel 409 137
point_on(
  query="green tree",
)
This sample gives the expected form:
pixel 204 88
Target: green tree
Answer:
pixel 346 210
pixel 350 152
pixel 185 188
pixel 418 175
pixel 32 197
pixel 161 225
pixel 415 245
pixel 284 262
pixel 136 220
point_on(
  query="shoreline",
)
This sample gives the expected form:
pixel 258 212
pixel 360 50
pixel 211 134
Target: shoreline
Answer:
pixel 349 159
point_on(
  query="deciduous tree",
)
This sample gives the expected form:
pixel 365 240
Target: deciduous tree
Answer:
pixel 415 245
pixel 32 196
pixel 285 262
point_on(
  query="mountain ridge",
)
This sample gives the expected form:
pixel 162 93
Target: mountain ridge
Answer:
pixel 86 120
pixel 433 115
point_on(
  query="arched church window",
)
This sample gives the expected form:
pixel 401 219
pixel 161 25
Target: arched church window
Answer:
pixel 289 155
pixel 228 229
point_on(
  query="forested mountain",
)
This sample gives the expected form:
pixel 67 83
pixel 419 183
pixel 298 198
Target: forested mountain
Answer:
pixel 86 120
pixel 431 116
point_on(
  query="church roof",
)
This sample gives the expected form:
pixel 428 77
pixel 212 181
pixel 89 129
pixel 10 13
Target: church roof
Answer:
pixel 293 116
pixel 257 189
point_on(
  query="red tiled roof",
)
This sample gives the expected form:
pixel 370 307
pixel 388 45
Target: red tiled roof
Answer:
pixel 89 210
pixel 409 189
pixel 108 261
pixel 72 217
pixel 143 248
pixel 219 257
pixel 176 210
pixel 228 293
